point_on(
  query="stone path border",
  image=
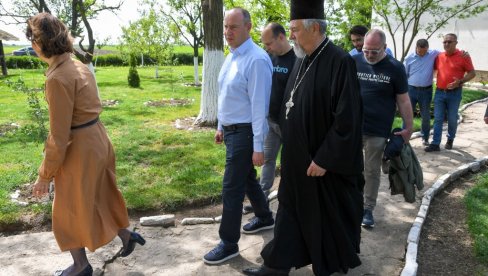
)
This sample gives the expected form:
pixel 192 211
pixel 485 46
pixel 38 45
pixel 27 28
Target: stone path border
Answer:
pixel 413 239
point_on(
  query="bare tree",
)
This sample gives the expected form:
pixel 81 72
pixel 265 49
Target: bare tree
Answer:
pixel 408 17
pixel 186 18
pixel 213 57
pixel 75 14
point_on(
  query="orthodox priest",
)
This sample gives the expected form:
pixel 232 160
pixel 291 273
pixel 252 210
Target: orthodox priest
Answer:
pixel 320 194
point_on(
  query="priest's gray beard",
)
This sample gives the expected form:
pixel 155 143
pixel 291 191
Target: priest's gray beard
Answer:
pixel 299 52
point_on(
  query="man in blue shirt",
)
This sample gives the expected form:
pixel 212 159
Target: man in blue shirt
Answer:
pixel 357 34
pixel 244 91
pixel 419 67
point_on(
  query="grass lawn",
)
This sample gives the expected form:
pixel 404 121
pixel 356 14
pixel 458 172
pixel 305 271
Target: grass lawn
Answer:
pixel 158 166
pixel 475 201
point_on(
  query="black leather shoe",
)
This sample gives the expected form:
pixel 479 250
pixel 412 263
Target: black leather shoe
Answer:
pixel 87 271
pixel 265 271
pixel 134 238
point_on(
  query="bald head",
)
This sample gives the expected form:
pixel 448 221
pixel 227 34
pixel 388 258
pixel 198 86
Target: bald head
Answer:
pixel 274 39
pixel 374 46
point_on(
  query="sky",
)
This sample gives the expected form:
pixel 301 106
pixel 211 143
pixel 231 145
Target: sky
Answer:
pixel 106 25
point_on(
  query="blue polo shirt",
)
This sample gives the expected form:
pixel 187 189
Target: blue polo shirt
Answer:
pixel 244 90
pixel 420 70
pixel 354 52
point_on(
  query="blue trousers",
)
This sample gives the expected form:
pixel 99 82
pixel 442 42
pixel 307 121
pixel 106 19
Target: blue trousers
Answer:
pixel 239 180
pixel 423 97
pixel 446 103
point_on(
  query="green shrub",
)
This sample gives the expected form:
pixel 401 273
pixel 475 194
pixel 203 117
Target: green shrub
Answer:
pixel 24 62
pixel 133 78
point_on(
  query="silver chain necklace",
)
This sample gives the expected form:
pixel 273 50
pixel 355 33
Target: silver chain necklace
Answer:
pixel 289 104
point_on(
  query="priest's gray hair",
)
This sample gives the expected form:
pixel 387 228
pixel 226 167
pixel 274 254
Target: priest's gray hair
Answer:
pixel 377 32
pixel 307 23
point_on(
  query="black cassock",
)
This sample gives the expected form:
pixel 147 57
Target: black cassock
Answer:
pixel 319 218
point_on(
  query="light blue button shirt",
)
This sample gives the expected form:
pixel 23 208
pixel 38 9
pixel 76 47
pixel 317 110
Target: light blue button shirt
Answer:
pixel 354 52
pixel 244 90
pixel 420 70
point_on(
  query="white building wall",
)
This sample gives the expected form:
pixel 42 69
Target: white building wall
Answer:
pixel 472 36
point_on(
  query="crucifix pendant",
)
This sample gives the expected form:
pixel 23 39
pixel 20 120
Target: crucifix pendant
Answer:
pixel 288 105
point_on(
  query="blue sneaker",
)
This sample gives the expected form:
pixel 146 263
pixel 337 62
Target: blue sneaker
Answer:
pixel 219 254
pixel 256 224
pixel 368 220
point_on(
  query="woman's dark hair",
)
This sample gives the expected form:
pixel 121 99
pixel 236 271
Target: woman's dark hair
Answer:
pixel 50 34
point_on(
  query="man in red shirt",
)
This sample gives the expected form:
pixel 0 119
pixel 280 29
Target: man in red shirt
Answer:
pixel 453 69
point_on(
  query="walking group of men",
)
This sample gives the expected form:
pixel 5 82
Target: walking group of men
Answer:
pixel 323 107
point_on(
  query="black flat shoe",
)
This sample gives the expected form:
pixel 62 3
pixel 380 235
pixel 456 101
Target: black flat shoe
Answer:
pixel 134 238
pixel 87 271
pixel 265 271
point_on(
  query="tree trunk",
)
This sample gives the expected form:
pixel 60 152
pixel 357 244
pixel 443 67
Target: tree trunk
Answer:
pixel 213 57
pixel 195 71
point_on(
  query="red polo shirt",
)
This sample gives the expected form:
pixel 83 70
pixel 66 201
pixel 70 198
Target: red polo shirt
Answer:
pixel 451 67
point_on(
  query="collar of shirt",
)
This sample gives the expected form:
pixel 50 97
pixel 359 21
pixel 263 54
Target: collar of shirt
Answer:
pixel 58 60
pixel 243 48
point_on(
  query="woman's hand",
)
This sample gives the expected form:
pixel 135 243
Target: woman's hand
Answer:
pixel 41 187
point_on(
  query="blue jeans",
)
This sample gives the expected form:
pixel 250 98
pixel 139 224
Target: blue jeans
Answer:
pixel 446 103
pixel 272 144
pixel 423 97
pixel 239 180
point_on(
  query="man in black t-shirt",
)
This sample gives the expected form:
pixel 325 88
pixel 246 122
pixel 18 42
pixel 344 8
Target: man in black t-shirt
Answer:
pixel 283 59
pixel 384 87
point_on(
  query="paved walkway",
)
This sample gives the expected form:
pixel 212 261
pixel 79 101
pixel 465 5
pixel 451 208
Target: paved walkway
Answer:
pixel 179 250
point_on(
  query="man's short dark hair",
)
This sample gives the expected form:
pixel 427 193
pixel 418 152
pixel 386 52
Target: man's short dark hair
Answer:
pixel 245 14
pixel 277 29
pixel 423 43
pixel 358 30
pixel 451 34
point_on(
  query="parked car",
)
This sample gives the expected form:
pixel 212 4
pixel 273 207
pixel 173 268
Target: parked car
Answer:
pixel 24 52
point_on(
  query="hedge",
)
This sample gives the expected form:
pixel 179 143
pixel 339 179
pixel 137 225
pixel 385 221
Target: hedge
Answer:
pixel 24 62
pixel 30 62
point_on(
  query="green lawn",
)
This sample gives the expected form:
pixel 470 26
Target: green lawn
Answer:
pixel 476 203
pixel 158 166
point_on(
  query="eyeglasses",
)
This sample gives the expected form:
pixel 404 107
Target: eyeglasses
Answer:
pixel 448 42
pixel 372 52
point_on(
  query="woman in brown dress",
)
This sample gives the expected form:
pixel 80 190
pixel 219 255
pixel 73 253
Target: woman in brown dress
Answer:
pixel 88 208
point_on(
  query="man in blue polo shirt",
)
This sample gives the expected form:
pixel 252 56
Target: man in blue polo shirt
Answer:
pixel 419 67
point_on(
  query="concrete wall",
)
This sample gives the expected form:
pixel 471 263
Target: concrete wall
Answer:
pixel 472 36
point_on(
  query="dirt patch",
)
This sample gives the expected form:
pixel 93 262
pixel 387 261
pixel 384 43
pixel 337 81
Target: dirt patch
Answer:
pixel 109 103
pixel 170 102
pixel 4 128
pixel 445 246
pixel 189 124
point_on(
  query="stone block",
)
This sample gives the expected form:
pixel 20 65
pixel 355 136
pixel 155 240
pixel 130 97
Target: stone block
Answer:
pixel 273 195
pixel 474 166
pixel 423 210
pixel 218 219
pixel 411 265
pixel 194 221
pixel 163 220
pixel 414 235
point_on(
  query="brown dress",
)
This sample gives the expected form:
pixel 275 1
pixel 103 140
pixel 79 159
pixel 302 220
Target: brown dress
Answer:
pixel 88 208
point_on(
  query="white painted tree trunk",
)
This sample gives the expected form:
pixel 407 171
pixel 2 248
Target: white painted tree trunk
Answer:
pixel 195 70
pixel 212 61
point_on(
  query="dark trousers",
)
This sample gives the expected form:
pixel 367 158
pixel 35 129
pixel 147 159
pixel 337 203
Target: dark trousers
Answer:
pixel 239 180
